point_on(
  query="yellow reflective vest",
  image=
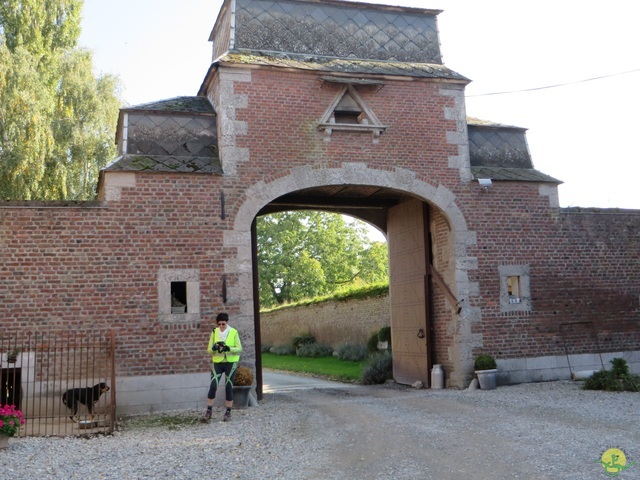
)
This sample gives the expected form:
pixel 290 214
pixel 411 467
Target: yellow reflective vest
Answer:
pixel 233 342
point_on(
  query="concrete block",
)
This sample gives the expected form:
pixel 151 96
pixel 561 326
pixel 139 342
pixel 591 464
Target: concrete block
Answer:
pixel 516 376
pixel 502 378
pixel 550 374
pixel 195 380
pixel 585 361
pixel 607 357
pixel 142 383
pixel 511 364
pixel 189 396
pixel 562 361
pixel 632 357
pixel 141 398
pixel 541 363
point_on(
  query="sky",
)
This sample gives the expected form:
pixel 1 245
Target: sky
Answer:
pixel 582 133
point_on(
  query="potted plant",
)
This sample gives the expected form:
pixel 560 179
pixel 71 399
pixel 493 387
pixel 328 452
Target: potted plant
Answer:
pixel 10 420
pixel 486 371
pixel 242 384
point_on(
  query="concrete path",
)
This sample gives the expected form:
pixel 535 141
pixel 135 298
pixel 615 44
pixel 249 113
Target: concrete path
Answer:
pixel 285 382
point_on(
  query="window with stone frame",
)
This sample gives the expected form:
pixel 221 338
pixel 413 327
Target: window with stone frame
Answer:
pixel 179 295
pixel 515 288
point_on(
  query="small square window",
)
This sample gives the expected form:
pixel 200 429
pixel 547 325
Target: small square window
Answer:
pixel 515 288
pixel 178 297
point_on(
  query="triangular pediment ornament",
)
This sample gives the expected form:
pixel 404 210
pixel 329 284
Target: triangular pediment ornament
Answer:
pixel 349 112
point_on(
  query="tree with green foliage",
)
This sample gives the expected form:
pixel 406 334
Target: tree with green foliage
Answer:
pixel 304 254
pixel 57 120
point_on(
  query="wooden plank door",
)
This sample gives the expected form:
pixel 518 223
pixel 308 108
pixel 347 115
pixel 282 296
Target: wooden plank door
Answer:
pixel 407 235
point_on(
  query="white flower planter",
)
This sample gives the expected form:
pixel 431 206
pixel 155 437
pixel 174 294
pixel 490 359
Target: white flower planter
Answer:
pixel 487 378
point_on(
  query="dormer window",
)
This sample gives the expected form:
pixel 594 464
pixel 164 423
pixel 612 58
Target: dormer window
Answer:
pixel 349 112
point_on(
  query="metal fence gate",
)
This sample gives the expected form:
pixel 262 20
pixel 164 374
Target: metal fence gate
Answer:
pixel 40 368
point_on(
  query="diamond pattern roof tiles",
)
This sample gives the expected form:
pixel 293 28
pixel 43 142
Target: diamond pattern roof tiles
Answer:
pixel 166 164
pixel 332 29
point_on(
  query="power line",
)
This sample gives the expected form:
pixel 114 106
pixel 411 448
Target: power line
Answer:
pixel 554 86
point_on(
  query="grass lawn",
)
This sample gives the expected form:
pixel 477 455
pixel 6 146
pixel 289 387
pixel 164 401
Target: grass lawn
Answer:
pixel 329 367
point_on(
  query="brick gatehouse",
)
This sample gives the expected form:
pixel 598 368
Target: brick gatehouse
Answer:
pixel 345 107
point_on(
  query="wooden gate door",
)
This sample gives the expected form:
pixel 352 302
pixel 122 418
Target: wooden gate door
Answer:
pixel 407 235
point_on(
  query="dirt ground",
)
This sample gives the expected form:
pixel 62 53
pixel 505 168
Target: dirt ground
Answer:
pixel 534 431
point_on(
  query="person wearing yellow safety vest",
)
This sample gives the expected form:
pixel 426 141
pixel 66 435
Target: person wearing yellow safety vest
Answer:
pixel 225 349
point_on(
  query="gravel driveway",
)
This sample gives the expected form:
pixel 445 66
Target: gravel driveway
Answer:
pixel 531 431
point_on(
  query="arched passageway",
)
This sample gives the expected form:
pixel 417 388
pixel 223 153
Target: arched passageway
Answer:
pixel 425 231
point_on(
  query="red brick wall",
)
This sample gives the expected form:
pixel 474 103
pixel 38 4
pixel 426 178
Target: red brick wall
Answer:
pixel 585 267
pixel 443 333
pixel 93 268
pixel 284 110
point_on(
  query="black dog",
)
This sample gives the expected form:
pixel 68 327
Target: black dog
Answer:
pixel 87 396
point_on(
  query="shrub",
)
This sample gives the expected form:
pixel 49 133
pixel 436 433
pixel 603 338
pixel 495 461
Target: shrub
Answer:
pixel 618 379
pixel 314 350
pixel 619 367
pixel 384 334
pixel 372 343
pixel 243 377
pixel 485 362
pixel 282 350
pixel 303 339
pixel 379 369
pixel 266 348
pixel 352 352
pixel 602 380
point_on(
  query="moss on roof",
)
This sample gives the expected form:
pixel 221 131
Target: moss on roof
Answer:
pixel 513 174
pixel 165 164
pixel 344 65
pixel 191 105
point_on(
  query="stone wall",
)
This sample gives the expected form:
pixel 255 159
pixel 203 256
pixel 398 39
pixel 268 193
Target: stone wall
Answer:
pixel 331 323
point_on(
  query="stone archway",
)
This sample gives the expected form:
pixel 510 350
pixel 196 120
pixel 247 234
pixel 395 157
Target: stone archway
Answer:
pixel 401 180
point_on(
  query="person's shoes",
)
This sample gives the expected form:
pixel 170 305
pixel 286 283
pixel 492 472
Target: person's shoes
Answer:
pixel 227 416
pixel 207 415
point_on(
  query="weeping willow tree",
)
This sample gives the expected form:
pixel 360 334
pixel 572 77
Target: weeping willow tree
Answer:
pixel 57 120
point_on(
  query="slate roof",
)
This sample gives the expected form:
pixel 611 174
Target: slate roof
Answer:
pixel 158 163
pixel 478 122
pixel 195 107
pixel 332 28
pixel 187 105
pixel 339 65
pixel 513 174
